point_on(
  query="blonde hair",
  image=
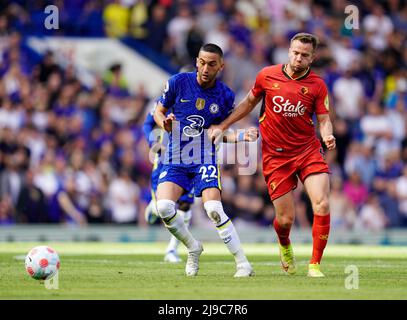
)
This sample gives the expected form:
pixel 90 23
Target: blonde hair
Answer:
pixel 306 38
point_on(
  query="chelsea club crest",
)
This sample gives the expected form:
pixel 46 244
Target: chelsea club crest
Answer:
pixel 214 108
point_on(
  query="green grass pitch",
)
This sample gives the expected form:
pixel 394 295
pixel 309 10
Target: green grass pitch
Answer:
pixel 137 271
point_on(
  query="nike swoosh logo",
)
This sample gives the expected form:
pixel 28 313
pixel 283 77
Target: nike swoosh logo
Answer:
pixel 184 100
pixel 210 180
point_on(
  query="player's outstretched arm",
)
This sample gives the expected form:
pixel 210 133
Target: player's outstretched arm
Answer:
pixel 326 130
pixel 162 120
pixel 242 109
pixel 249 135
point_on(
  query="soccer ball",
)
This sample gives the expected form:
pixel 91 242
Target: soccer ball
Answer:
pixel 42 262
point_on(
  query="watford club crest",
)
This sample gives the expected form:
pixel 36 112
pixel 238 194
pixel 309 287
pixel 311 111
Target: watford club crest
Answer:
pixel 304 90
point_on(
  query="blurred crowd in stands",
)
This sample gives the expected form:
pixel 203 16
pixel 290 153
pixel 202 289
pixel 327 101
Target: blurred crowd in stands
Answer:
pixel 71 154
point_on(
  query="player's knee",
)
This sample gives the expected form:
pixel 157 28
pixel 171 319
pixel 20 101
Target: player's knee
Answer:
pixel 285 221
pixel 214 210
pixel 165 208
pixel 321 205
pixel 184 206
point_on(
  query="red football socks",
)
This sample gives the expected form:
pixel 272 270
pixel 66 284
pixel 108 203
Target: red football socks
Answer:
pixel 320 233
pixel 282 233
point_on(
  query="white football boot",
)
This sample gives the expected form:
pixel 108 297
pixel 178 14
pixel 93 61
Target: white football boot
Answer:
pixel 244 270
pixel 192 266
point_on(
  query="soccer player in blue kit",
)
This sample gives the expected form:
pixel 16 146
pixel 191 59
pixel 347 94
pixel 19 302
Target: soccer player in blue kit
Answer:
pixel 192 102
pixel 155 139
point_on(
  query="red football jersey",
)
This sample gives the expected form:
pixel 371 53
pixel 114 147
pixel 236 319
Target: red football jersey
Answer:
pixel 286 123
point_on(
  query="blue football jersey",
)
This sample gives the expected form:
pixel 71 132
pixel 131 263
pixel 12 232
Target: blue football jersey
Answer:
pixel 195 110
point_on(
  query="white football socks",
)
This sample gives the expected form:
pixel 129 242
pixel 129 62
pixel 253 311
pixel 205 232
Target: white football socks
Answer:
pixel 226 229
pixel 174 242
pixel 175 224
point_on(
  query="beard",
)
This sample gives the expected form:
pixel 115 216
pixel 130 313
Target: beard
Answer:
pixel 298 69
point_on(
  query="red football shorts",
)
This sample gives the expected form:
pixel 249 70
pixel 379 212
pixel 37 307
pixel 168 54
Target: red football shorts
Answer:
pixel 281 172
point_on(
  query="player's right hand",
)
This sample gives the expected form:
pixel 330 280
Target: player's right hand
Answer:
pixel 167 123
pixel 330 142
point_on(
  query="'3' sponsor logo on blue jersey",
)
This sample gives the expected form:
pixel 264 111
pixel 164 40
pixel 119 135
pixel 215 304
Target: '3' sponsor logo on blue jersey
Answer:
pixel 195 128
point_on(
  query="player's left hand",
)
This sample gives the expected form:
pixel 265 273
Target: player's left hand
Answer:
pixel 330 142
pixel 251 134
pixel 167 123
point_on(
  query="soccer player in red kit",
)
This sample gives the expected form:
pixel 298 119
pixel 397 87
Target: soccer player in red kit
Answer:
pixel 291 95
